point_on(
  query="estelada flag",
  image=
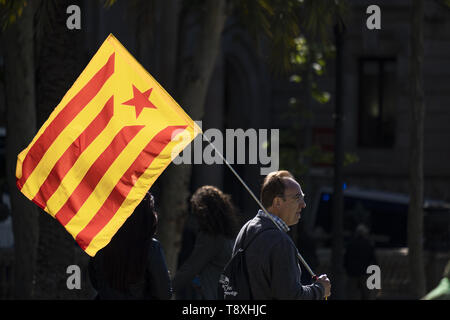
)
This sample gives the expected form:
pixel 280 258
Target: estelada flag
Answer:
pixel 108 140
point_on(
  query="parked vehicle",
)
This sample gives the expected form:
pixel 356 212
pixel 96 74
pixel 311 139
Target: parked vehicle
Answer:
pixel 385 214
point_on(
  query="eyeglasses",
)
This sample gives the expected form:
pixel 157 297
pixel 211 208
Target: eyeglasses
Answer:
pixel 297 197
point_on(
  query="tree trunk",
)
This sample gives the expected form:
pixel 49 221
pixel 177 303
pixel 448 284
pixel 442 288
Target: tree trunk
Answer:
pixel 337 257
pixel 415 214
pixel 59 64
pixel 170 14
pixel 21 127
pixel 192 91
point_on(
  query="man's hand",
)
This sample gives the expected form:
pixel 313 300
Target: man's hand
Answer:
pixel 323 279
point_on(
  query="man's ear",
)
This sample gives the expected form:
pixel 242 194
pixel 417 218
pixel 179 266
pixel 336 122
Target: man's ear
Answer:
pixel 276 202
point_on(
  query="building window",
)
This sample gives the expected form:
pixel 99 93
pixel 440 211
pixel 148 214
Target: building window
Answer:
pixel 377 102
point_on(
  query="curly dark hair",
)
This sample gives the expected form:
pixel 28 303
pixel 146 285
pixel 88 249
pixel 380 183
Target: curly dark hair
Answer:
pixel 214 211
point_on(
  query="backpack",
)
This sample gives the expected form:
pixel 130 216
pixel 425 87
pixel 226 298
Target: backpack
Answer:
pixel 234 281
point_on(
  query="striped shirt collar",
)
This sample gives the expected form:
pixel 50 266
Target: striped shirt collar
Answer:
pixel 280 223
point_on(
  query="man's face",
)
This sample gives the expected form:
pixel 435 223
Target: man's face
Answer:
pixel 292 203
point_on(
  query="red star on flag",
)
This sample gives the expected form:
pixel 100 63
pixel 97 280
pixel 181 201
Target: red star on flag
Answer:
pixel 140 100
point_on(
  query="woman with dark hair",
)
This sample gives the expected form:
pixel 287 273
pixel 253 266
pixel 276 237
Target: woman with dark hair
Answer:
pixel 132 265
pixel 215 216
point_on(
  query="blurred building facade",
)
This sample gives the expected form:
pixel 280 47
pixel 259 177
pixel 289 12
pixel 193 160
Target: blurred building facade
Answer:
pixel 377 103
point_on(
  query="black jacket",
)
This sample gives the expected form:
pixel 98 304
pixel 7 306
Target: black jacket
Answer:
pixel 272 263
pixel 155 285
pixel 208 258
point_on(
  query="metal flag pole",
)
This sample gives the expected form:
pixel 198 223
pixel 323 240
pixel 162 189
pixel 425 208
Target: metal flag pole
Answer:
pixel 299 256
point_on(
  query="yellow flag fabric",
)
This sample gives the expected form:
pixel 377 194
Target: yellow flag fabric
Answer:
pixel 108 140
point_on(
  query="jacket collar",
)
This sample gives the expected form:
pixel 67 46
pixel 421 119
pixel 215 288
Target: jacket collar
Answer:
pixel 280 223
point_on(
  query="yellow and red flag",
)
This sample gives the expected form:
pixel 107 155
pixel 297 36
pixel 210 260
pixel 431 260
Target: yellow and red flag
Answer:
pixel 104 145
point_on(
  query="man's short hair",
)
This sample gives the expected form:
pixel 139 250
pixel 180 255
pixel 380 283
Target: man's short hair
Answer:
pixel 273 186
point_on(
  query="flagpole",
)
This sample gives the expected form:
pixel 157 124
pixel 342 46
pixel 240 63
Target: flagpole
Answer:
pixel 299 256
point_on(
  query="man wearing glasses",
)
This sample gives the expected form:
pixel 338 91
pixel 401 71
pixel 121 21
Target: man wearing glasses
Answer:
pixel 273 269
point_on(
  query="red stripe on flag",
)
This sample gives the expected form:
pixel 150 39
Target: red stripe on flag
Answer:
pixel 123 187
pixel 70 156
pixel 95 173
pixel 70 111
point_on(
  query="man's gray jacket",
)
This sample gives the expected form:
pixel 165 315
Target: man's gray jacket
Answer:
pixel 272 263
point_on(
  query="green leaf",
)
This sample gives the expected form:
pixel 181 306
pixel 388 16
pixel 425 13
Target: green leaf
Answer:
pixel 10 11
pixel 350 158
pixel 295 78
pixel 321 97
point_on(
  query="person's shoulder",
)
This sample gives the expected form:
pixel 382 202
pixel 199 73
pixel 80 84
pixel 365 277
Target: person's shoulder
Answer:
pixel 155 246
pixel 155 242
pixel 155 252
pixel 247 228
pixel 277 239
pixel 272 233
pixel 270 237
pixel 260 222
